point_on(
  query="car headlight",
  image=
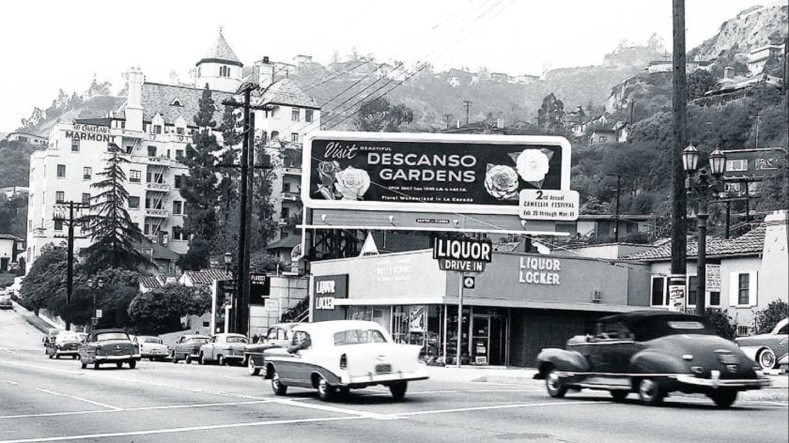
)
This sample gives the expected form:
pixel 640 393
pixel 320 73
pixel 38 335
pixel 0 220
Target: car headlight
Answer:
pixel 687 357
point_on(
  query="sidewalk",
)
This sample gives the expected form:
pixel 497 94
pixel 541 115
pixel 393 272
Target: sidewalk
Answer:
pixel 778 391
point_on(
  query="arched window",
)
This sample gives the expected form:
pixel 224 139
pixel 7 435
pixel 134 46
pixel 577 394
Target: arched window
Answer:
pixel 224 71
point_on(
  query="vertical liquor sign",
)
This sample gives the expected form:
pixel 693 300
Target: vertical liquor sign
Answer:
pixel 260 289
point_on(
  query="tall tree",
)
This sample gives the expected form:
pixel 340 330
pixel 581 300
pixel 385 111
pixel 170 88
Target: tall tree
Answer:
pixel 381 116
pixel 550 116
pixel 108 224
pixel 200 189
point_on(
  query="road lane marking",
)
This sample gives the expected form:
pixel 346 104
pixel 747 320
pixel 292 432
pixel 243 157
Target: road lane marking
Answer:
pixel 176 430
pixel 354 412
pixel 139 409
pixel 485 408
pixel 74 397
pixel 12 382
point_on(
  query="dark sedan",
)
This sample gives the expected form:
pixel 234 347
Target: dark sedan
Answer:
pixel 187 347
pixel 108 346
pixel 651 353
pixel 277 336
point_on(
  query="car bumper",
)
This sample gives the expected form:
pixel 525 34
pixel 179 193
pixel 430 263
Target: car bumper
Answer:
pixel 358 381
pixel 103 358
pixel 715 382
pixel 66 352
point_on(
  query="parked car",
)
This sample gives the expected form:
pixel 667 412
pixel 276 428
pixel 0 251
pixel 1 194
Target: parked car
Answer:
pixel 223 349
pixel 65 343
pixel 336 356
pixel 108 346
pixel 51 333
pixel 5 303
pixel 152 348
pixel 651 353
pixel 770 350
pixel 277 336
pixel 187 347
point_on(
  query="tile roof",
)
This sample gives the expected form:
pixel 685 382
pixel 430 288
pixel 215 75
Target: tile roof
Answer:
pixel 285 92
pixel 206 276
pixel 158 98
pixel 288 242
pixel 751 243
pixel 150 282
pixel 221 51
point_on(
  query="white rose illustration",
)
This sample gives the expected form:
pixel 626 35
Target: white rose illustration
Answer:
pixel 501 181
pixel 352 183
pixel 532 165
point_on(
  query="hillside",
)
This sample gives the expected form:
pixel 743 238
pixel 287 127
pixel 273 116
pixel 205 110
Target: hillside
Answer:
pixel 747 31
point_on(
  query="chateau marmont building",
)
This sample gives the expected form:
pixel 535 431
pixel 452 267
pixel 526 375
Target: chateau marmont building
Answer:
pixel 152 128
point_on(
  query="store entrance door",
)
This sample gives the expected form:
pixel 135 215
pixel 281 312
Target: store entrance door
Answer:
pixel 487 339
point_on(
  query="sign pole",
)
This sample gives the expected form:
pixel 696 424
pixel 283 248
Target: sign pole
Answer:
pixel 460 315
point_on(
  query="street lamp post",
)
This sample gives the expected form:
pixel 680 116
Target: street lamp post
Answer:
pixel 701 185
pixel 94 320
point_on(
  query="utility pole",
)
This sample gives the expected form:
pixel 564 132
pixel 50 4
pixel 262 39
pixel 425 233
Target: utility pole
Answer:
pixel 679 198
pixel 447 117
pixel 618 191
pixel 247 164
pixel 467 104
pixel 58 216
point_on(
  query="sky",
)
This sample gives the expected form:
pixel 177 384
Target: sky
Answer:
pixel 49 45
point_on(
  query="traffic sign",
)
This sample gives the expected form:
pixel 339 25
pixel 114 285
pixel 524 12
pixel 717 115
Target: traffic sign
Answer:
pixel 545 204
pixel 468 282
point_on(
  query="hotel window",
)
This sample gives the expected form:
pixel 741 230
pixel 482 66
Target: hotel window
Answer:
pixel 157 129
pixel 87 173
pixel 294 137
pixel 74 145
pixel 295 114
pixel 179 154
pixel 61 171
pixel 224 71
pixel 176 207
pixel 736 165
pixel 151 151
pixel 58 225
pixel 178 181
pixel 179 131
pixel 85 198
pixel 134 202
pixel 275 135
pixel 715 298
pixel 134 176
pixel 177 233
pixel 658 291
pixel 308 115
pixel 60 197
pixel 693 282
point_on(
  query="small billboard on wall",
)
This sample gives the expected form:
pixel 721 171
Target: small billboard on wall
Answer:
pixel 435 173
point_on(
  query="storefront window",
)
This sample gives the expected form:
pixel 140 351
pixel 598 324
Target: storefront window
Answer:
pixel 419 325
pixel 378 314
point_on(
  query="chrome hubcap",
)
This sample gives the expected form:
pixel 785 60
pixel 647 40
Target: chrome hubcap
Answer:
pixel 553 382
pixel 648 389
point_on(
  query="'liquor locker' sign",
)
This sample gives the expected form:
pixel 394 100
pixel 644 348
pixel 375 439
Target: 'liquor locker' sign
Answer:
pixel 430 172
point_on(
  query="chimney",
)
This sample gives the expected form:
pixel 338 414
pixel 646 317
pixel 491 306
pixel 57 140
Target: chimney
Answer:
pixel 135 80
pixel 728 72
pixel 265 72
pixel 773 278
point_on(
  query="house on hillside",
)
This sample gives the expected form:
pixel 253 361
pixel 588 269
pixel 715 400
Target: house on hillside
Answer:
pixel 27 137
pixel 621 129
pixel 602 136
pixel 524 79
pixel 499 77
pixel 11 250
pixel 758 58
pixel 732 87
pixel 14 191
pixel 657 66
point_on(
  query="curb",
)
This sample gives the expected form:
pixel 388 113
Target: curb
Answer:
pixel 34 321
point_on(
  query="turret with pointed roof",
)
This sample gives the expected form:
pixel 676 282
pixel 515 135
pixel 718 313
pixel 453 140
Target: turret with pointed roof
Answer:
pixel 220 68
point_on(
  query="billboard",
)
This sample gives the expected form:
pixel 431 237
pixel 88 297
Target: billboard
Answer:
pixel 437 173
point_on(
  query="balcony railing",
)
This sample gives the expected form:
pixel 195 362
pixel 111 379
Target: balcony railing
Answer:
pixel 149 212
pixel 291 196
pixel 159 187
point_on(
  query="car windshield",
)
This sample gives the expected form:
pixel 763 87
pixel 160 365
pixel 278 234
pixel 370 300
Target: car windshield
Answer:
pixel 111 336
pixel 152 340
pixel 236 340
pixel 358 336
pixel 198 340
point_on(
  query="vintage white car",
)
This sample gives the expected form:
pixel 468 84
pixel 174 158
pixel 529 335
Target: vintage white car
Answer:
pixel 152 348
pixel 336 356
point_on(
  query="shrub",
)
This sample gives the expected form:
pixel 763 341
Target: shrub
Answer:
pixel 765 320
pixel 720 320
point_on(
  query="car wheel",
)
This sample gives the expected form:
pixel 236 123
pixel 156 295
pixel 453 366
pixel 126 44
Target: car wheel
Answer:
pixel 766 358
pixel 57 356
pixel 83 364
pixel 221 361
pixel 188 359
pixel 398 389
pixel 649 392
pixel 119 364
pixel 553 383
pixel 251 367
pixel 96 365
pixel 325 390
pixel 174 356
pixel 132 364
pixel 723 398
pixel 619 395
pixel 50 356
pixel 73 357
pixel 277 386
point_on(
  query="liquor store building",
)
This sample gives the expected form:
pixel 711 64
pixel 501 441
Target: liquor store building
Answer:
pixel 518 305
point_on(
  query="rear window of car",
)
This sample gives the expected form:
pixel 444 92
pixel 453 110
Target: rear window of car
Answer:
pixel 62 338
pixel 236 340
pixel 686 325
pixel 152 340
pixel 112 336
pixel 358 336
pixel 198 340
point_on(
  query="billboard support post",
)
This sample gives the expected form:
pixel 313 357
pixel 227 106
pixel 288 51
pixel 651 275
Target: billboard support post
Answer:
pixel 460 317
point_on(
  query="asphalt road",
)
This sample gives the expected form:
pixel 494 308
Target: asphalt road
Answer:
pixel 54 400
